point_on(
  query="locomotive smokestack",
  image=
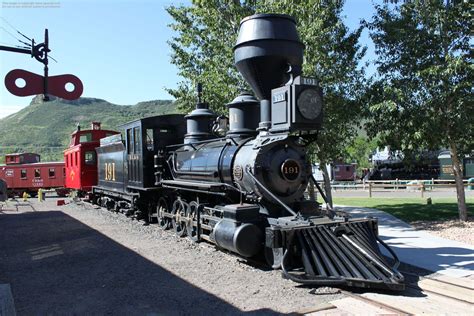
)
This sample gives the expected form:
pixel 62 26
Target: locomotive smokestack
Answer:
pixel 268 53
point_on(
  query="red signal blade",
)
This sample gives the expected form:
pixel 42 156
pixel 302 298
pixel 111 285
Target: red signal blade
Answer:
pixel 34 84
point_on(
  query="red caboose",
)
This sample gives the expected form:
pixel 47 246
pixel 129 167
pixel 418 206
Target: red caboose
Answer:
pixel 81 159
pixel 24 172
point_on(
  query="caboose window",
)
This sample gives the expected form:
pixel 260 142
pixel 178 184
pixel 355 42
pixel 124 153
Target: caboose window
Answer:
pixel 89 157
pixel 23 174
pixel 37 173
pixel 51 173
pixel 86 137
pixel 149 139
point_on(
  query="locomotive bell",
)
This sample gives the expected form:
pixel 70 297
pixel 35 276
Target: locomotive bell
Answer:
pixel 268 46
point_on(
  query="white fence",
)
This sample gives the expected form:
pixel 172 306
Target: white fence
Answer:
pixel 395 185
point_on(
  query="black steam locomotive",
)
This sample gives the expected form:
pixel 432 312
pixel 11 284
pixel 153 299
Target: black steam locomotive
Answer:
pixel 244 191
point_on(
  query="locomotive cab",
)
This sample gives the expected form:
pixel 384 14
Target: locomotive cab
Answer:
pixel 126 161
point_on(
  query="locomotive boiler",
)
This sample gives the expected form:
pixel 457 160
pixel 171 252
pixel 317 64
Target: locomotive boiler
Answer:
pixel 244 191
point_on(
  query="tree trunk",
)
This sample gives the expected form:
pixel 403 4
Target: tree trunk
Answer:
pixel 461 196
pixel 327 184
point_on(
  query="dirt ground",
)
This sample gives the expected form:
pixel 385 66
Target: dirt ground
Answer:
pixel 75 259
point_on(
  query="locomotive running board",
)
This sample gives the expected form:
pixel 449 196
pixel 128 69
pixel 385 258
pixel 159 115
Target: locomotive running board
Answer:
pixel 342 254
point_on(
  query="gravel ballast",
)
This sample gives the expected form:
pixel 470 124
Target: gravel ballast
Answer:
pixel 77 259
pixel 201 264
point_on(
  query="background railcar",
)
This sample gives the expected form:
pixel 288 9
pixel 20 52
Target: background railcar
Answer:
pixel 21 158
pixel 446 166
pixel 81 158
pixel 24 172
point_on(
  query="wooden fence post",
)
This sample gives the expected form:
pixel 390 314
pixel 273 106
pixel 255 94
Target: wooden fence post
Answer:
pixel 422 189
pixel 370 189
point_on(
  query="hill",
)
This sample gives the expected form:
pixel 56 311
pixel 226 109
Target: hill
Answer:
pixel 45 127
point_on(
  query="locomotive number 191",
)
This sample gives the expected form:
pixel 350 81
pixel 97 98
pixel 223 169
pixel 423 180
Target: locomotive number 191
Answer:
pixel 110 171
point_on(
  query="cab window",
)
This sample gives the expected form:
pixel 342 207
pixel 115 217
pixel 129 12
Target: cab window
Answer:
pixel 51 173
pixel 23 173
pixel 136 140
pixel 129 141
pixel 37 173
pixel 149 139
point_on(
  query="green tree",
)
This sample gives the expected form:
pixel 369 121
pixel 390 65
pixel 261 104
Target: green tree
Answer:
pixel 202 51
pixel 359 151
pixel 423 97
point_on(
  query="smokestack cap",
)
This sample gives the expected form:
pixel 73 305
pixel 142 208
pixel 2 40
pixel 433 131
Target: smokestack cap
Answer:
pixel 268 46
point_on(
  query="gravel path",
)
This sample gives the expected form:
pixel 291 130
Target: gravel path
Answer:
pixel 453 230
pixel 76 259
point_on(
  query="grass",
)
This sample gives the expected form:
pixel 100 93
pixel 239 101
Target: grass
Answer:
pixel 411 209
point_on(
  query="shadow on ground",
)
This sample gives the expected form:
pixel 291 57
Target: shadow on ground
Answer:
pixel 57 265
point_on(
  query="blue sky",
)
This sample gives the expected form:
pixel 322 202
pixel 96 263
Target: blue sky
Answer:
pixel 116 47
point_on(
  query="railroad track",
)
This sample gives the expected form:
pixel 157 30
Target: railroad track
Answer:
pixel 426 295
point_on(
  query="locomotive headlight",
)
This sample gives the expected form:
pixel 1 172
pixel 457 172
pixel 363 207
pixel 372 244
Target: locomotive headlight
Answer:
pixel 310 103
